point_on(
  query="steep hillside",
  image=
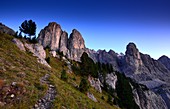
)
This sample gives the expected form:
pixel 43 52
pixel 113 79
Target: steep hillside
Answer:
pixel 20 85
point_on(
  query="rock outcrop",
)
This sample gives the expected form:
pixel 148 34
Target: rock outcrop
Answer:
pixel 19 44
pixel 95 82
pixel 165 61
pixel 76 45
pixel 147 99
pixel 39 52
pixel 50 36
pixel 55 39
pixel 36 49
pixel 64 43
pixel 108 57
pixel 132 60
pixel 7 30
pixel 111 80
pixel 91 96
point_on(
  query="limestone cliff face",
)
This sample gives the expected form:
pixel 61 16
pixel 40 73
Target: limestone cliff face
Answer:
pixel 147 99
pixel 53 37
pixel 76 45
pixel 64 43
pixel 76 40
pixel 133 62
pixel 50 36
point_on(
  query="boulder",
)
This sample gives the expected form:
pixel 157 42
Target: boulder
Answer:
pixel 39 52
pixel 19 44
pixel 91 96
pixel 53 53
pixel 36 49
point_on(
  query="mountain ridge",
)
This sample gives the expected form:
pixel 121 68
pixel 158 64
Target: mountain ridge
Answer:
pixel 141 68
pixel 138 66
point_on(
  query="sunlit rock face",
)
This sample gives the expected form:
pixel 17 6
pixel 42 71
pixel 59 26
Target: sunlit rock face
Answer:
pixel 64 43
pixel 19 44
pixel 76 45
pixel 50 36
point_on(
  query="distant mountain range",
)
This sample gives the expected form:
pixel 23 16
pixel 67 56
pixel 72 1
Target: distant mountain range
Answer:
pixel 151 76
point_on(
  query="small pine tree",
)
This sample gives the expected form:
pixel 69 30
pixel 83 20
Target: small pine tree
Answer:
pixel 28 27
pixel 64 75
pixel 109 99
pixel 84 85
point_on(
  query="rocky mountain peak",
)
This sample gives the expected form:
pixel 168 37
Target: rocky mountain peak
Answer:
pixel 76 40
pixel 132 50
pixel 132 60
pixel 165 61
pixel 52 24
pixel 50 36
pixel 133 55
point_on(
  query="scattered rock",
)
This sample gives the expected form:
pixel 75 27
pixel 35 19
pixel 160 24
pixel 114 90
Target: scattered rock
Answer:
pixel 12 95
pixel 91 96
pixel 95 82
pixel 53 53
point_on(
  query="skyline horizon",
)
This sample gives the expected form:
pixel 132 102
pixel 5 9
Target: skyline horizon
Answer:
pixel 104 24
pixel 107 50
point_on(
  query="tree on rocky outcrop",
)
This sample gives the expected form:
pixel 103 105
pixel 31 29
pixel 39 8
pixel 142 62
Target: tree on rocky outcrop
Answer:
pixel 28 27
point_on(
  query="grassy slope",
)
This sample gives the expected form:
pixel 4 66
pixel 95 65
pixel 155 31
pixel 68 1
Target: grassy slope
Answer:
pixel 22 67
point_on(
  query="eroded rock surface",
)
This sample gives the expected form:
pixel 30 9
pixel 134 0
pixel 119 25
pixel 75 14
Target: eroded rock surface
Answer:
pixel 50 36
pixel 19 44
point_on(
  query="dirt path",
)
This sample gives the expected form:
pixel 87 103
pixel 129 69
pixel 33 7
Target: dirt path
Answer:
pixel 46 101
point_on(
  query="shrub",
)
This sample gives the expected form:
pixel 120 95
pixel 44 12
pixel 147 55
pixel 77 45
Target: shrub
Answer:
pixel 64 75
pixel 84 85
pixel 110 100
pixel 48 60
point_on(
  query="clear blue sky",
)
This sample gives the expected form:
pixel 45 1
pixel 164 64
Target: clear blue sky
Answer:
pixel 104 24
